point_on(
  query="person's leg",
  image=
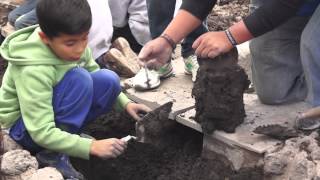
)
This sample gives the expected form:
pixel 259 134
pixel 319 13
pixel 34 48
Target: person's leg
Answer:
pixel 72 98
pixel 106 89
pixel 160 13
pixel 126 33
pixel 188 41
pixel 138 21
pixel 24 8
pixel 79 97
pixel 119 12
pixel 26 20
pixel 276 66
pixel 310 57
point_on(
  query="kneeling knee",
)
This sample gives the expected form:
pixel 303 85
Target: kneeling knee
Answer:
pixel 109 78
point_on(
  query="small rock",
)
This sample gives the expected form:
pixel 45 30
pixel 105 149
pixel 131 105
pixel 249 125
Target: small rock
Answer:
pixel 303 169
pixel 274 164
pixel 8 143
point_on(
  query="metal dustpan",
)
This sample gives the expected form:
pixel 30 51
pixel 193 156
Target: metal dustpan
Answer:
pixel 150 121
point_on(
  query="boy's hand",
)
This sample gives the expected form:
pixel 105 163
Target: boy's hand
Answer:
pixel 133 109
pixel 108 148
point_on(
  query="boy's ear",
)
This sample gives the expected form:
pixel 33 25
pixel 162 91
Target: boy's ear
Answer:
pixel 45 39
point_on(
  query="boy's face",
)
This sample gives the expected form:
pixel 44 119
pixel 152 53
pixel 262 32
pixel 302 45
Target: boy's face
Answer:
pixel 65 46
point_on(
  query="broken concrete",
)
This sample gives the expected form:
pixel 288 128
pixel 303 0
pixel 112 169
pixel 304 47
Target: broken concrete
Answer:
pixel 218 92
pixel 18 164
pixel 8 143
pixel 46 174
pixel 297 159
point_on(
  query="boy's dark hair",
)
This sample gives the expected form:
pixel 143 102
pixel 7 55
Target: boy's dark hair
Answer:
pixel 64 16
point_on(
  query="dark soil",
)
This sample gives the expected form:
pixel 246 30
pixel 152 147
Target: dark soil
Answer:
pixel 218 92
pixel 143 161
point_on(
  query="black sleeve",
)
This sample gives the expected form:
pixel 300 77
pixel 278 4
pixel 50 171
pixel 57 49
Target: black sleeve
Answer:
pixel 198 8
pixel 271 14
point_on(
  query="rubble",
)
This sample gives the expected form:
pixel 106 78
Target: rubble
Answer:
pixel 47 173
pixel 8 143
pixel 297 159
pixel 18 164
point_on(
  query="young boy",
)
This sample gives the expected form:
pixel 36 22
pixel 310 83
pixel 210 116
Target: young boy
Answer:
pixel 53 87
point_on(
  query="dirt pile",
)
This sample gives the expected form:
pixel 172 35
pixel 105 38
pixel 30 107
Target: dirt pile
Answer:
pixel 218 92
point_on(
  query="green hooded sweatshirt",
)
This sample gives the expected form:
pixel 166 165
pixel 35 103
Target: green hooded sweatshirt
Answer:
pixel 27 90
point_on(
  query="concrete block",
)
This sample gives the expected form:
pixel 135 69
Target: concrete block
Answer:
pixel 237 157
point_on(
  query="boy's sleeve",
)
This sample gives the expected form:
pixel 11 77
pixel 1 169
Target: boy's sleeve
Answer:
pixel 91 64
pixel 122 102
pixel 35 92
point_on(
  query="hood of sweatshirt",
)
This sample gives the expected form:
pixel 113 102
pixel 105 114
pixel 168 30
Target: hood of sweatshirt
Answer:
pixel 25 47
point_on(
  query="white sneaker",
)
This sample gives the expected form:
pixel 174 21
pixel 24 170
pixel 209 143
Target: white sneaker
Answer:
pixel 165 71
pixel 191 66
pixel 140 81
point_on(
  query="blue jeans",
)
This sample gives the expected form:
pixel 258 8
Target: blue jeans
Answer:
pixel 160 13
pixel 78 99
pixel 24 15
pixel 286 61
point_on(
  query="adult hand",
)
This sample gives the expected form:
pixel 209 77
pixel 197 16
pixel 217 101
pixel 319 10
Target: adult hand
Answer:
pixel 156 53
pixel 133 109
pixel 108 148
pixel 212 44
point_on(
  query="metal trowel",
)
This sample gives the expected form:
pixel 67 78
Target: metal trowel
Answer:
pixel 306 121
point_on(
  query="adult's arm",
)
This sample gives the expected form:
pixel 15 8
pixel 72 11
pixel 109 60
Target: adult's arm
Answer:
pixel 189 17
pixel 271 14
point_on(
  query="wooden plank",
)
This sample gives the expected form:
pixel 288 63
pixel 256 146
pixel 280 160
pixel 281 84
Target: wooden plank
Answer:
pixel 257 114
